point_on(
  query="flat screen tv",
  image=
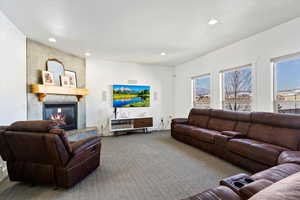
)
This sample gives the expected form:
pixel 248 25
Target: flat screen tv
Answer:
pixel 125 96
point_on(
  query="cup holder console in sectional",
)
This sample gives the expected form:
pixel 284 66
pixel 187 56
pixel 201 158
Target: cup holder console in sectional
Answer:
pixel 236 182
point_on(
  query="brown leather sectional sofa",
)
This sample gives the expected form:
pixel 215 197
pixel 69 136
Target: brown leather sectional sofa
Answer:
pixel 255 141
pixel 39 152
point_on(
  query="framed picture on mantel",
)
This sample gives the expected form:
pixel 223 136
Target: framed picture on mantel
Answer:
pixel 72 78
pixel 65 81
pixel 47 78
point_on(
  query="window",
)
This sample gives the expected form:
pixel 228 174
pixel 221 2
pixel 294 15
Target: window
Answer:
pixel 237 89
pixel 287 85
pixel 201 91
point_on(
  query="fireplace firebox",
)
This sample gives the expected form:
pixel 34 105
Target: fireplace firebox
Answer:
pixel 65 111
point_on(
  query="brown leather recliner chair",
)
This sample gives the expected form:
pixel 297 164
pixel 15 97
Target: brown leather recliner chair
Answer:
pixel 39 152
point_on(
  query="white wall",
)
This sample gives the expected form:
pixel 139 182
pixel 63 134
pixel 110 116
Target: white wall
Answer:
pixel 13 72
pixel 12 76
pixel 101 75
pixel 257 50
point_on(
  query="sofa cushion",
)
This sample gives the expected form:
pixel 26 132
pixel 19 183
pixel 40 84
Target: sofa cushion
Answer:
pixel 198 120
pixel 230 115
pixel 278 172
pixel 221 124
pixel 183 128
pixel 204 135
pixel 276 128
pixel 285 137
pixel 276 119
pixel 286 189
pixel 258 151
pixel 242 127
pixel 200 111
pixel 199 117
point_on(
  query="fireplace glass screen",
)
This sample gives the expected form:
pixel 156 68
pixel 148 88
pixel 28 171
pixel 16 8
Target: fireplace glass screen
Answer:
pixel 66 112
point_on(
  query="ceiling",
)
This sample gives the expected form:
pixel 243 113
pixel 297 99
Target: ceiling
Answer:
pixel 139 30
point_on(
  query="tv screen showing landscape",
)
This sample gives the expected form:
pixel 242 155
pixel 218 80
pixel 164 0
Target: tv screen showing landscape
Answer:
pixel 125 96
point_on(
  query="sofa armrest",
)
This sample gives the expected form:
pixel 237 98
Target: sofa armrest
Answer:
pixel 219 193
pixel 251 189
pixel 221 140
pixel 180 121
pixel 84 144
pixel 289 157
pixel 233 134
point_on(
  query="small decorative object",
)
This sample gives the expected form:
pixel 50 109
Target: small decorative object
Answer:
pixel 73 78
pixel 65 81
pixel 57 68
pixel 47 78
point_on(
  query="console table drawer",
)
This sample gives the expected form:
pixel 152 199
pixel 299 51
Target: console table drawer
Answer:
pixel 143 122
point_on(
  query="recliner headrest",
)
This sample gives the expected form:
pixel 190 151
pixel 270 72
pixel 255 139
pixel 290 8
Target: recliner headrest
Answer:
pixel 43 126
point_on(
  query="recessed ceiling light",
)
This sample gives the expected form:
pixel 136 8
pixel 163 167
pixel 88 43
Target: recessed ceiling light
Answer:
pixel 87 54
pixel 53 40
pixel 163 54
pixel 213 21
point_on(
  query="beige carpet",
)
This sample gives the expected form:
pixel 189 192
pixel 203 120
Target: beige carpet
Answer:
pixel 137 167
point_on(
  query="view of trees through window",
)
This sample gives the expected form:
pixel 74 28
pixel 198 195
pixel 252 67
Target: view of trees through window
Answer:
pixel 237 89
pixel 201 92
pixel 287 80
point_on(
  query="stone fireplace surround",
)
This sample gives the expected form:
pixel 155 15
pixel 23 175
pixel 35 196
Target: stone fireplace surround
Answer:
pixel 37 55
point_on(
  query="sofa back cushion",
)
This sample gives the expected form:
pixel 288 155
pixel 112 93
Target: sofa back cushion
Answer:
pixel 199 117
pixel 242 127
pixel 221 124
pixel 274 128
pixel 276 119
pixel 243 122
pixel 222 120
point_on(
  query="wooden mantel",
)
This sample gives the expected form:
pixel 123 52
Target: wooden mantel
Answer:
pixel 43 90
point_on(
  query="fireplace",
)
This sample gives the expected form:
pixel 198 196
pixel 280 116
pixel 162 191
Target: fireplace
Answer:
pixel 62 111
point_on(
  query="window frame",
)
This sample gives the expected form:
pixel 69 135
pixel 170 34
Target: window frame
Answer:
pixel 222 83
pixel 207 75
pixel 274 62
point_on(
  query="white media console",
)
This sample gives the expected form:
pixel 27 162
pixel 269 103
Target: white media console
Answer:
pixel 130 124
